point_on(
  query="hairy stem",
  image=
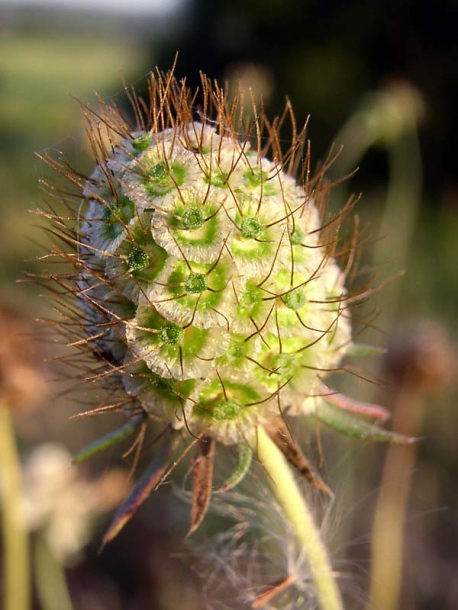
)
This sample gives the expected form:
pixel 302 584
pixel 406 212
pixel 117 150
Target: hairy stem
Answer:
pixel 299 515
pixel 15 537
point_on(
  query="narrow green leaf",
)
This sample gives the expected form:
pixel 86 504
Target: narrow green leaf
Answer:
pixel 244 458
pixel 360 349
pixel 348 424
pixel 354 406
pixel 109 439
pixel 148 482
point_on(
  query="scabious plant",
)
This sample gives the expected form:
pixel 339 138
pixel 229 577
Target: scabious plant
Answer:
pixel 209 292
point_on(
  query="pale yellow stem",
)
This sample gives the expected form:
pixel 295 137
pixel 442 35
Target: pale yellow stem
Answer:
pixel 15 537
pixel 52 587
pixel 298 513
pixel 391 510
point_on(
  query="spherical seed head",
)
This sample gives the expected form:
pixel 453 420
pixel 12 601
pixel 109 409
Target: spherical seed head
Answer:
pixel 206 275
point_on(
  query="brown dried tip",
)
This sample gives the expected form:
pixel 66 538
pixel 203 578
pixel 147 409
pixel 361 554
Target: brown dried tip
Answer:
pixel 281 436
pixel 202 477
pixel 271 591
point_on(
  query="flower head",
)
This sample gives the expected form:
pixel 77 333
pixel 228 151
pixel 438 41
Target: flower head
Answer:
pixel 206 275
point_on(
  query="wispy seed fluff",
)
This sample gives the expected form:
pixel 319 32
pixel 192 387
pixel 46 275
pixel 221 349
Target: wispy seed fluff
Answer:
pixel 206 277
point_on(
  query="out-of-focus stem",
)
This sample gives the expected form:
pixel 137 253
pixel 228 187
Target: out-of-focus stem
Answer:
pixel 389 118
pixel 400 214
pixel 291 500
pixel 50 577
pixel 390 515
pixel 15 537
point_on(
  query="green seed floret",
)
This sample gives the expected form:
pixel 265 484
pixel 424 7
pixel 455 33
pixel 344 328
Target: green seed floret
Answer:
pixel 218 178
pixel 161 179
pixel 218 404
pixel 251 228
pixel 256 177
pixel 192 218
pixel 195 283
pixel 115 215
pixel 137 259
pixel 142 143
pixel 297 237
pixel 295 299
pixel 170 334
pixel 226 410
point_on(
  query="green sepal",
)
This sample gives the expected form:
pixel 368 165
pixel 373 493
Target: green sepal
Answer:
pixel 348 424
pixel 360 349
pixel 109 439
pixel 244 458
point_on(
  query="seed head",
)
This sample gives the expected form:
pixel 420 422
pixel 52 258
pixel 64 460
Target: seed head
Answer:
pixel 205 271
pixel 203 262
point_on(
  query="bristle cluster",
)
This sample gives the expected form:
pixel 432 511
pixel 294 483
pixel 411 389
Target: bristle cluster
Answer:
pixel 204 278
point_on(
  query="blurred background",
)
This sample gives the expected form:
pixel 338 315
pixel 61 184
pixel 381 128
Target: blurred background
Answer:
pixel 379 82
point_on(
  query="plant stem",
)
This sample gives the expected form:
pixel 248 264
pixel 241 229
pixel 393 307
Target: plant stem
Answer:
pixel 299 515
pixel 15 537
pixel 390 513
pixel 400 216
pixel 52 587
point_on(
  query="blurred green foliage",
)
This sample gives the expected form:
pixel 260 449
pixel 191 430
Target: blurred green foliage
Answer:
pixel 38 73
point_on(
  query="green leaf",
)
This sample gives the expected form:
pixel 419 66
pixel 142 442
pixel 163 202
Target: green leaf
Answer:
pixel 348 424
pixel 360 349
pixel 109 439
pixel 353 406
pixel 244 458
